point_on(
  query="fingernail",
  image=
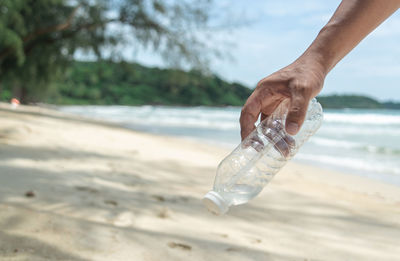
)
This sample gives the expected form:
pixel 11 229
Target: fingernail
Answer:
pixel 292 128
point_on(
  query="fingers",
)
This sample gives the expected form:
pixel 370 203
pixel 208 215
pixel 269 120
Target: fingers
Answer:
pixel 249 115
pixel 252 109
pixel 270 107
pixel 297 113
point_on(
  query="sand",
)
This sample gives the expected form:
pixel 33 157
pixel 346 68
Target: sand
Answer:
pixel 73 189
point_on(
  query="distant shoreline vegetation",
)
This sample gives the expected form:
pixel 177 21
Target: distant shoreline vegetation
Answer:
pixel 355 102
pixel 122 83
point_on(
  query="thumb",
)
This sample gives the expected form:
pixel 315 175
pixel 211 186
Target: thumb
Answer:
pixel 297 113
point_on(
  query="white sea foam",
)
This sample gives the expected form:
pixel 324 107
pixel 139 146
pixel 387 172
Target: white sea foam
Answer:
pixel 197 117
pixel 349 129
pixel 353 163
pixel 361 118
pixel 335 143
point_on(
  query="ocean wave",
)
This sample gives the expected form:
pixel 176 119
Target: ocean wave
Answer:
pixel 381 150
pixel 333 129
pixel 345 144
pixel 186 123
pixel 360 118
pixel 193 117
pixel 335 143
pixel 352 163
pixel 160 111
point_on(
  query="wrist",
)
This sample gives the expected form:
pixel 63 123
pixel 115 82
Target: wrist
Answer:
pixel 314 62
pixel 324 51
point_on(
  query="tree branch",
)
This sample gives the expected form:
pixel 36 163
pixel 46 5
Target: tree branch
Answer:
pixel 35 34
pixel 53 28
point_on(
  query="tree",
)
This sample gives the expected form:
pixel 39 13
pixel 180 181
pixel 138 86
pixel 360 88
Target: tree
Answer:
pixel 125 83
pixel 38 38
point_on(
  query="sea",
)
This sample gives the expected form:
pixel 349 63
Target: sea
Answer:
pixel 358 142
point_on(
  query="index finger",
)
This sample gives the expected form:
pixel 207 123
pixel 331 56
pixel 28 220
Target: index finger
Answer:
pixel 249 115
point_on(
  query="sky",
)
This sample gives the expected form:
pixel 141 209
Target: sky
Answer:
pixel 274 33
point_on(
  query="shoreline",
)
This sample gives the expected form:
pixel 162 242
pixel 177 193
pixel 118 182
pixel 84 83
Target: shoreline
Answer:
pixel 220 127
pixel 104 192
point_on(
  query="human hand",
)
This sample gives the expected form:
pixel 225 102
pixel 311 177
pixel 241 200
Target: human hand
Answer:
pixel 299 82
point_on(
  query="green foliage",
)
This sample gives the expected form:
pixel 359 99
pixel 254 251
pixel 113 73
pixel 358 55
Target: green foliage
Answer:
pixel 133 84
pixel 354 101
pixel 39 38
pixel 348 101
pixel 391 105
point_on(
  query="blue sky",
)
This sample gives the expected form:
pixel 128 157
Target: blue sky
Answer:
pixel 279 31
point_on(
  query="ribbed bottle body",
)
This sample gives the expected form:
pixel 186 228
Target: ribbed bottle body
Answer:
pixel 248 168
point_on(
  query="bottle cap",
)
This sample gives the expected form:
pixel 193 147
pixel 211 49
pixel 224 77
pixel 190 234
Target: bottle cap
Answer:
pixel 215 203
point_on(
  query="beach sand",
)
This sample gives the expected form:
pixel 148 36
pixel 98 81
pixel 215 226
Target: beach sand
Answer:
pixel 74 189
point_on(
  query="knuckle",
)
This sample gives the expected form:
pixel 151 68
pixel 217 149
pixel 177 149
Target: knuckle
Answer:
pixel 263 82
pixel 300 88
pixel 260 84
pixel 295 109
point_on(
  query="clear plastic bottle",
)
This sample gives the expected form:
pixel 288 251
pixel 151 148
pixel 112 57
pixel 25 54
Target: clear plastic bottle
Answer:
pixel 247 169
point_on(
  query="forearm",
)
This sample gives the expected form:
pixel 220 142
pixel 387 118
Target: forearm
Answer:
pixel 352 22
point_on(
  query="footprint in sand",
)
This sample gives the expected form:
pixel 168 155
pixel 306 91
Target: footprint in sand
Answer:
pixel 158 198
pixel 164 213
pixel 171 199
pixel 233 249
pixel 221 235
pixel 255 241
pixel 183 198
pixel 30 194
pixel 179 245
pixel 86 189
pixel 111 202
